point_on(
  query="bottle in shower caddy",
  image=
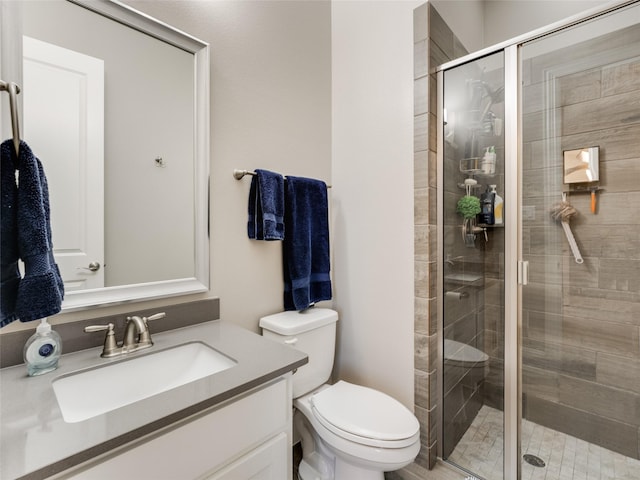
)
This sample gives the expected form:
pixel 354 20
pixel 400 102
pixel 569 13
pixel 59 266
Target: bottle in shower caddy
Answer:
pixel 488 163
pixel 498 206
pixel 486 215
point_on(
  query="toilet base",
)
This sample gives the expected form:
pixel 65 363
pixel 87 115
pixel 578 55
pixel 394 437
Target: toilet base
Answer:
pixel 352 472
pixel 312 469
pixel 321 462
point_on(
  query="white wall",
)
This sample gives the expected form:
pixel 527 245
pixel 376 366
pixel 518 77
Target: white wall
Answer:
pixel 483 23
pixel 270 108
pixel 372 156
pixel 508 19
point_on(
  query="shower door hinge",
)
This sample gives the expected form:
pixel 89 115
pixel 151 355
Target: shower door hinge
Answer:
pixel 523 272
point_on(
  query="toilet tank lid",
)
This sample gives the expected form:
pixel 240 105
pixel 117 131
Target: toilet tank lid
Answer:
pixel 293 322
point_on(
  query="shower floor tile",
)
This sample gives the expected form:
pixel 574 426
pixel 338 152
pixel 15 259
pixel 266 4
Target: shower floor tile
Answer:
pixel 566 457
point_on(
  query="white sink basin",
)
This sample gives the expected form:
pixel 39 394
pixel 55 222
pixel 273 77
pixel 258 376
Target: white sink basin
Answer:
pixel 93 392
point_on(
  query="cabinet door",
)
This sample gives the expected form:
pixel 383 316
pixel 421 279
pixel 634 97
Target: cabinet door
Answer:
pixel 200 445
pixel 267 462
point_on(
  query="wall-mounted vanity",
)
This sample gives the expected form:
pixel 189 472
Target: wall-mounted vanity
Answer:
pixel 226 425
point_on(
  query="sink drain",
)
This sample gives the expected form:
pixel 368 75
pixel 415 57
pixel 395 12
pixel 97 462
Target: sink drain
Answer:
pixel 533 460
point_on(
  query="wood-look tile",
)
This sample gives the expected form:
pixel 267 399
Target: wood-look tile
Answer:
pixel 560 358
pixel 603 113
pixel 421 282
pixel 421 389
pixel 421 352
pixel 620 242
pixel 602 400
pixel 616 143
pixel 421 315
pixel 420 59
pixel 621 77
pixel 440 33
pixel 420 95
pixel 420 133
pixel 436 55
pixel 620 274
pixel 584 332
pixel 611 434
pixel 421 169
pixel 421 242
pixel 421 23
pixel 621 175
pixel 603 305
pixel 618 371
pixel 421 206
pixel 579 87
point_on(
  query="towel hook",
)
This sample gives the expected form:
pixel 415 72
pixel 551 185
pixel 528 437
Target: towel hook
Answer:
pixel 13 90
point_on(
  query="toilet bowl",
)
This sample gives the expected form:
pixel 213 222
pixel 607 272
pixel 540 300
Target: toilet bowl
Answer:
pixel 348 432
pixel 360 432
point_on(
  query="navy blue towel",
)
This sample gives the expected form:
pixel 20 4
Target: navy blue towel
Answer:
pixel 306 262
pixel 26 235
pixel 266 206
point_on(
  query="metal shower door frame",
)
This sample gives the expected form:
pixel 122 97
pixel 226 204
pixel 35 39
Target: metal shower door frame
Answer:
pixel 516 271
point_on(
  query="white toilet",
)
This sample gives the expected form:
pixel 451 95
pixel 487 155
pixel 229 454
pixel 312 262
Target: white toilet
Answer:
pixel 348 432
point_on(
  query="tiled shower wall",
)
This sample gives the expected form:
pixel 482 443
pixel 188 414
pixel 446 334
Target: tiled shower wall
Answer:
pixel 425 242
pixel 585 380
pixel 434 44
pixel 581 324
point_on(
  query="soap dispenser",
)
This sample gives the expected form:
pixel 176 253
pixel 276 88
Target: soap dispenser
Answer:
pixel 42 350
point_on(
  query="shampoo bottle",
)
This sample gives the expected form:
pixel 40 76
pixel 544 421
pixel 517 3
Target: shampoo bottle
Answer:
pixel 42 350
pixel 498 207
pixel 486 215
pixel 488 164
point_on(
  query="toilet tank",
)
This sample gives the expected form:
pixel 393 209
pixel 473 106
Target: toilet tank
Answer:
pixel 312 331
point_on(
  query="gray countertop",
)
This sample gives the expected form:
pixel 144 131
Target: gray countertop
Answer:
pixel 37 442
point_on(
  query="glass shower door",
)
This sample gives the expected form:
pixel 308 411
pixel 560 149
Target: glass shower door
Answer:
pixel 581 230
pixel 473 269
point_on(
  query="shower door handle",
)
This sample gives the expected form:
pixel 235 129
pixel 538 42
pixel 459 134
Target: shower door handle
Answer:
pixel 523 272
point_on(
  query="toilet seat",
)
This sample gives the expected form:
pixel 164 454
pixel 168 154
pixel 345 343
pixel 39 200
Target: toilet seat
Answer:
pixel 365 416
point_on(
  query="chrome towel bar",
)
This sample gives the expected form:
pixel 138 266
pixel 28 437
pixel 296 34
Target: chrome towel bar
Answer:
pixel 238 174
pixel 13 90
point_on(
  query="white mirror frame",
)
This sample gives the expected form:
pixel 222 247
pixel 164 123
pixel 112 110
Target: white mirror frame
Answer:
pixel 83 299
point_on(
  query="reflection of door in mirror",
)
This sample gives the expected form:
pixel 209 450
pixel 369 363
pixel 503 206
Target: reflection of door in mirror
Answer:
pixel 64 117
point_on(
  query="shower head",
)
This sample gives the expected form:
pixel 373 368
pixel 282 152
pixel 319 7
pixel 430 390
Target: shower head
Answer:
pixel 495 96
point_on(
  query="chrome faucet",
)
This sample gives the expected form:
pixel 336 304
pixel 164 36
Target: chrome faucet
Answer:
pixel 136 336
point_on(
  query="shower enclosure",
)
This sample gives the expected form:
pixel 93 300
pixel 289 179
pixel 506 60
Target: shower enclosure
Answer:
pixel 540 315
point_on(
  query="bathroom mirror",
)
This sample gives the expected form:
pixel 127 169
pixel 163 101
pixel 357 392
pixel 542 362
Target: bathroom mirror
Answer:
pixel 581 165
pixel 116 106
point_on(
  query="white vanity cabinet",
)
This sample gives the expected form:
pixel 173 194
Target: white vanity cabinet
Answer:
pixel 246 437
